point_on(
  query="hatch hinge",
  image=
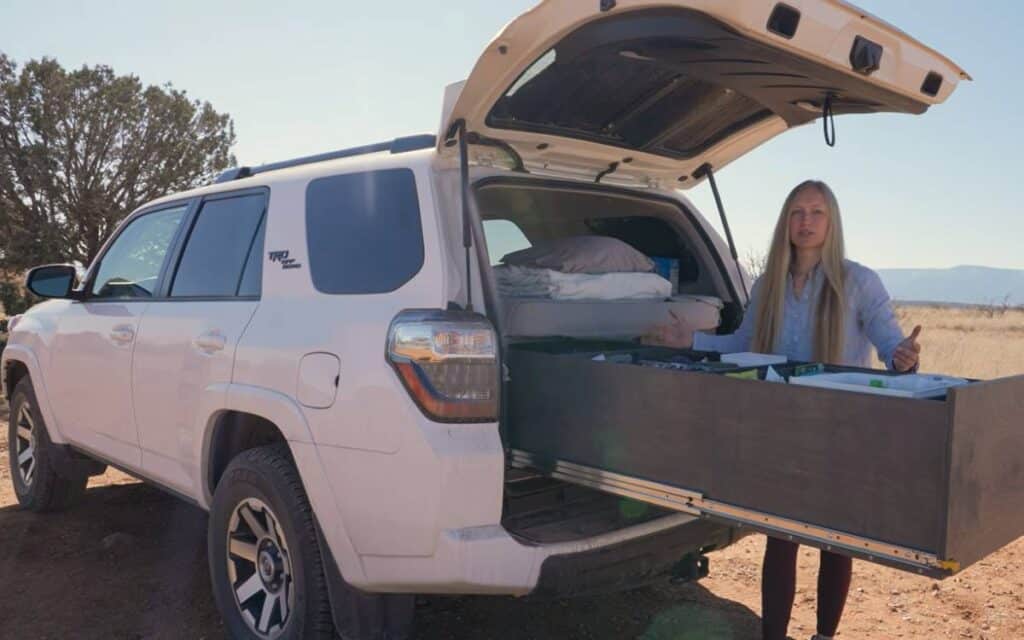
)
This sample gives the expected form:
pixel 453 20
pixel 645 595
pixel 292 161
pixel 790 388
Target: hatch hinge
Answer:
pixel 517 160
pixel 472 137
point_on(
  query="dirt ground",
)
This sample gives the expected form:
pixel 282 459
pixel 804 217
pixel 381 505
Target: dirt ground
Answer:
pixel 130 562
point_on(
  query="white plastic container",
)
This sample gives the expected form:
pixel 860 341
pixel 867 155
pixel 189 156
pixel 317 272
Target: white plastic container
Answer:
pixel 916 385
pixel 750 359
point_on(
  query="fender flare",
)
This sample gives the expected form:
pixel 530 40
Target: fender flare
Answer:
pixel 285 414
pixel 24 355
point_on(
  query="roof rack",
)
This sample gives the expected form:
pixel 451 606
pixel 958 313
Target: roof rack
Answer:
pixel 398 145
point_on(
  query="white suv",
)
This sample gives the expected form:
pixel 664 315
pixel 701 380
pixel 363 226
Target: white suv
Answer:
pixel 312 350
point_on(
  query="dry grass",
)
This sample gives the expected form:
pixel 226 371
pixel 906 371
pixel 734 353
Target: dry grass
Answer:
pixel 979 343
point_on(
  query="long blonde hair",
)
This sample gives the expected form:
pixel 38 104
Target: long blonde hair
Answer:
pixel 828 329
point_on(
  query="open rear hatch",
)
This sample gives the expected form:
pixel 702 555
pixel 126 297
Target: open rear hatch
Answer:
pixel 651 91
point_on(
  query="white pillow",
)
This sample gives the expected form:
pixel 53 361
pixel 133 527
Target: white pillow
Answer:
pixel 582 254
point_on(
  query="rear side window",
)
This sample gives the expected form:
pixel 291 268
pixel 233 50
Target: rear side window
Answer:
pixel 363 231
pixel 219 246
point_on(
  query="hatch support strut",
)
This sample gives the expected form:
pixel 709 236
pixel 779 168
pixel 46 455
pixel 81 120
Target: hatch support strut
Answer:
pixel 467 229
pixel 705 170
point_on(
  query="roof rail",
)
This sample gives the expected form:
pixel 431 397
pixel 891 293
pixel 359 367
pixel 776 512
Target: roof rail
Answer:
pixel 398 145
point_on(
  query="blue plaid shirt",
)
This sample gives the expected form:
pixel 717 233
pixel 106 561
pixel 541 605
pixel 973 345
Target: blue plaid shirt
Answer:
pixel 870 320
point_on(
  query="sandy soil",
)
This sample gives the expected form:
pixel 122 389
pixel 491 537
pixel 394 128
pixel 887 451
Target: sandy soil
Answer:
pixel 130 562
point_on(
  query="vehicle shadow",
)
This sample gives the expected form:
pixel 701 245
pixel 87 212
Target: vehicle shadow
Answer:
pixel 130 562
pixel 662 612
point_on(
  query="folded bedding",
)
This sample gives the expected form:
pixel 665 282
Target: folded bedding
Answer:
pixel 530 282
pixel 627 319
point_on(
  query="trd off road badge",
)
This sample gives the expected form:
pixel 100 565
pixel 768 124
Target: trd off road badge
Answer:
pixel 282 257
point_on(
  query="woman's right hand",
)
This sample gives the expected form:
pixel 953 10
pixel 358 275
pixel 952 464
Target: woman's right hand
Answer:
pixel 677 334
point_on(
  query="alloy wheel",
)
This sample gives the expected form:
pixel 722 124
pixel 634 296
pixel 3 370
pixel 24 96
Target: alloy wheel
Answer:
pixel 25 445
pixel 259 568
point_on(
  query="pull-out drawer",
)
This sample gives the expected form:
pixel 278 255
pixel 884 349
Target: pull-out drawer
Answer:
pixel 930 486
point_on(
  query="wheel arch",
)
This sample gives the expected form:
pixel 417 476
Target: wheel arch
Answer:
pixel 272 416
pixel 231 433
pixel 18 363
pixel 238 417
pixel 14 371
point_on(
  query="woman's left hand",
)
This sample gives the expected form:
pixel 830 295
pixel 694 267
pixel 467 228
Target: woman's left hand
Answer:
pixel 908 352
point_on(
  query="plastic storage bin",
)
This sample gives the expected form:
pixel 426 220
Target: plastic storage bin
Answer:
pixel 904 386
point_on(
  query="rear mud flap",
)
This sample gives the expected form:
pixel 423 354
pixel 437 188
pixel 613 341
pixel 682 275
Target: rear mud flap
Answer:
pixel 359 615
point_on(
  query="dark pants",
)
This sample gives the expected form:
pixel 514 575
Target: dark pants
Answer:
pixel 778 587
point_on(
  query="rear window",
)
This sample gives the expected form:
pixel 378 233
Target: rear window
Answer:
pixel 363 231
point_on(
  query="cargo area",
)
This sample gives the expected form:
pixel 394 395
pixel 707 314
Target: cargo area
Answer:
pixel 517 214
pixel 540 508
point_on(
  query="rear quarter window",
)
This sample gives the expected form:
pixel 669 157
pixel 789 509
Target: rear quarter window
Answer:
pixel 363 231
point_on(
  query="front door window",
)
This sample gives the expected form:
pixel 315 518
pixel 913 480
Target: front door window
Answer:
pixel 131 267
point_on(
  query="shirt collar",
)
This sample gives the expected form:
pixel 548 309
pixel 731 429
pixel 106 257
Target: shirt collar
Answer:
pixel 810 287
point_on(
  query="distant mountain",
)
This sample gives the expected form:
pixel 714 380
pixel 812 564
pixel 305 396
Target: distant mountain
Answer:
pixel 964 285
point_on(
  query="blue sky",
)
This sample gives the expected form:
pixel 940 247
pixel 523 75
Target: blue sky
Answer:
pixel 937 190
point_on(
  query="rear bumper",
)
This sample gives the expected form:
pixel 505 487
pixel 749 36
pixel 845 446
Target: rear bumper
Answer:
pixel 489 561
pixel 633 563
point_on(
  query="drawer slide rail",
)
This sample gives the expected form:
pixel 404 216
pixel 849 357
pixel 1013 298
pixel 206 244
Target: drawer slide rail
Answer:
pixel 694 503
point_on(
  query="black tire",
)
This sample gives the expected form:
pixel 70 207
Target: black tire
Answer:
pixel 258 478
pixel 42 482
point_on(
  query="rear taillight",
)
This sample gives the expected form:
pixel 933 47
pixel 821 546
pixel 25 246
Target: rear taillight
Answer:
pixel 448 362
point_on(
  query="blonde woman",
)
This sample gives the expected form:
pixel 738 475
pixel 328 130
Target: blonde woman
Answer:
pixel 811 304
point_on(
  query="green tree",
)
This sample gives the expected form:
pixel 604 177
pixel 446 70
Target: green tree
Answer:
pixel 80 149
pixel 14 299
